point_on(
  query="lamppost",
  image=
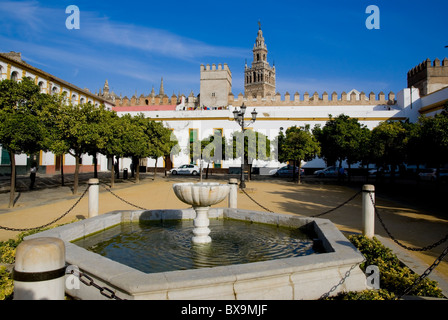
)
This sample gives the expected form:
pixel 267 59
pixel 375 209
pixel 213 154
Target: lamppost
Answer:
pixel 239 118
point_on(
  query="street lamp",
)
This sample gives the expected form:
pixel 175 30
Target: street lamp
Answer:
pixel 239 118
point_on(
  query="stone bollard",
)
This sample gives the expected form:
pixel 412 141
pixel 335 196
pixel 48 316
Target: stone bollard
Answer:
pixel 94 188
pixel 368 210
pixel 233 193
pixel 39 271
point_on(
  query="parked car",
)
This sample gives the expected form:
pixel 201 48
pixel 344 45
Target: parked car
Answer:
pixel 286 171
pixel 186 169
pixel 431 174
pixel 329 172
pixel 385 171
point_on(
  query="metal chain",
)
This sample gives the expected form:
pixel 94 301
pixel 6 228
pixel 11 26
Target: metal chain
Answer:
pixel 244 191
pixel 346 275
pixel 125 201
pixel 317 215
pixel 429 247
pixel 342 204
pixel 425 273
pixel 105 291
pixel 55 220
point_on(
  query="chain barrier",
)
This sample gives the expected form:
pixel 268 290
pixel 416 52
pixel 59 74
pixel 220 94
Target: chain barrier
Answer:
pixel 256 202
pixel 346 275
pixel 105 291
pixel 429 247
pixel 317 215
pixel 120 198
pixel 428 271
pixel 425 273
pixel 50 223
pixel 341 205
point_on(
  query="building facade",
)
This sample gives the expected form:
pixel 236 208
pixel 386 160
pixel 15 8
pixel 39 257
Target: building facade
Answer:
pixel 196 117
pixel 12 67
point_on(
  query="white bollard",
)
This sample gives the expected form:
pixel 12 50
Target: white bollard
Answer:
pixel 39 271
pixel 368 210
pixel 233 193
pixel 94 189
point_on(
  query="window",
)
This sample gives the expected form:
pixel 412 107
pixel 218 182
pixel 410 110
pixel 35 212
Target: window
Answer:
pixel 5 157
pixel 14 76
pixel 193 137
pixel 41 86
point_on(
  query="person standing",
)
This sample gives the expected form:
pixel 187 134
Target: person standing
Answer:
pixel 33 172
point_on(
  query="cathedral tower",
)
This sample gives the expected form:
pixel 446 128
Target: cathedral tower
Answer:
pixel 259 79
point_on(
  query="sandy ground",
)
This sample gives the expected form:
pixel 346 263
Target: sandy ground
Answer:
pixel 412 225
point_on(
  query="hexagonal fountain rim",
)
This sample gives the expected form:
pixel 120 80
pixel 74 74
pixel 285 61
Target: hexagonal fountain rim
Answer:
pixel 242 281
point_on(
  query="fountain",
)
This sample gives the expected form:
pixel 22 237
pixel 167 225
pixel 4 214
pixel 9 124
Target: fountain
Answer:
pixel 201 196
pixel 293 277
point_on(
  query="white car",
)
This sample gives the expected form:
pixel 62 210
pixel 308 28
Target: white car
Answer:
pixel 186 169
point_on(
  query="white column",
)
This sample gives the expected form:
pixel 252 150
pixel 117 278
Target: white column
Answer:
pixel 39 271
pixel 368 210
pixel 94 186
pixel 201 223
pixel 233 193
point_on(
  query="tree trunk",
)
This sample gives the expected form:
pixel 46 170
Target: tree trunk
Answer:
pixel 13 179
pixel 95 166
pixel 298 173
pixel 137 171
pixel 62 171
pixel 155 170
pixel 294 180
pixel 76 177
pixel 112 171
pixel 349 173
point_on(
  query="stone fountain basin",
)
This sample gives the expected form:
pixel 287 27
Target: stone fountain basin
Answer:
pixel 203 194
pixel 305 277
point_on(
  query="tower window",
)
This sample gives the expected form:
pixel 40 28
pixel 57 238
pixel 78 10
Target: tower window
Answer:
pixel 258 57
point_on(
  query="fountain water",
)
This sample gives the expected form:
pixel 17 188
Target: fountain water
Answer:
pixel 201 196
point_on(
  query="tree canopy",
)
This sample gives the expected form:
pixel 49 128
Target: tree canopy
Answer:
pixel 21 129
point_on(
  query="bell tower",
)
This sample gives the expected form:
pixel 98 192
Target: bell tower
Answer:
pixel 259 79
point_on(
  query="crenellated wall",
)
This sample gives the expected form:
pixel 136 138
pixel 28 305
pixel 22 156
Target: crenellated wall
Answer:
pixel 429 76
pixel 352 98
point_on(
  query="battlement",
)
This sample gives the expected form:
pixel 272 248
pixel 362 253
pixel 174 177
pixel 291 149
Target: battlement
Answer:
pixel 427 64
pixel 429 76
pixel 353 97
pixel 214 68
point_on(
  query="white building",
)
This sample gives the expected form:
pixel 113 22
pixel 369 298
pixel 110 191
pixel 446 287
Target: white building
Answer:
pixel 199 117
pixel 14 68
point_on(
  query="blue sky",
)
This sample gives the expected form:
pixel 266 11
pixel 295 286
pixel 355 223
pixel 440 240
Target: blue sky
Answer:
pixel 316 45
